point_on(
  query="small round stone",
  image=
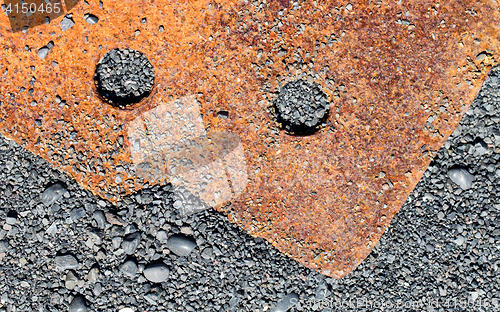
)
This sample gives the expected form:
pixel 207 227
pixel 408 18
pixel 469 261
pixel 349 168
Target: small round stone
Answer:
pixel 53 193
pixel 181 245
pixel 129 268
pixel 156 273
pixel 124 77
pixel 301 107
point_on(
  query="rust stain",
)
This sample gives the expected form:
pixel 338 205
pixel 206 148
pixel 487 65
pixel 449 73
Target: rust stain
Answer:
pixel 399 76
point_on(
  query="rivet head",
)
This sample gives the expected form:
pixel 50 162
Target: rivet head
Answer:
pixel 124 77
pixel 301 107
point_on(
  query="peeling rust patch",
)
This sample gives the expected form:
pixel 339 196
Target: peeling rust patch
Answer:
pixel 399 78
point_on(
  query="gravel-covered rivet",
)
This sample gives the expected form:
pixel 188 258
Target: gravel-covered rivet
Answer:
pixel 156 273
pixel 301 108
pixel 78 304
pixel 181 245
pixel 131 242
pixel 129 268
pixel 53 193
pixel 461 177
pixel 124 77
pixel 286 303
pixel 66 262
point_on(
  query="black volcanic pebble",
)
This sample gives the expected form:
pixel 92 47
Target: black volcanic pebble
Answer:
pixel 301 107
pixel 124 77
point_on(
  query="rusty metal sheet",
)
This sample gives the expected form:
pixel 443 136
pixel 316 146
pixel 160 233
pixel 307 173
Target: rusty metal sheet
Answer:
pixel 399 78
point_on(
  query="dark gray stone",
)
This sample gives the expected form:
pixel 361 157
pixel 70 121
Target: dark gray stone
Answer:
pixel 11 217
pixel 460 240
pixel 162 236
pixel 481 148
pixel 129 268
pixel 116 242
pixel 52 229
pixel 66 262
pixel 77 213
pixel 181 245
pixel 131 242
pixel 97 289
pixel 53 193
pixel 93 275
pixel 71 280
pixel 99 218
pixel 156 273
pixel 78 304
pixel 207 253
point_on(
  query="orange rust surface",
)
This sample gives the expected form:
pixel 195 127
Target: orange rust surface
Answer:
pixel 323 199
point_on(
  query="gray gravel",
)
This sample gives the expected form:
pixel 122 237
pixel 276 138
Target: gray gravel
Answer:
pixel 441 247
